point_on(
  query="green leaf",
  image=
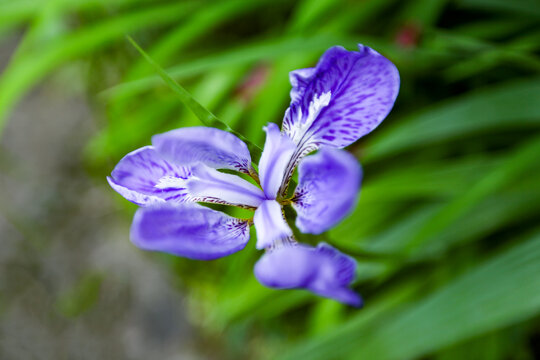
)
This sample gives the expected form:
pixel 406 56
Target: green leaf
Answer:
pixel 517 164
pixel 263 49
pixel 496 293
pixel 20 75
pixel 508 105
pixel 199 23
pixel 526 8
pixel 381 196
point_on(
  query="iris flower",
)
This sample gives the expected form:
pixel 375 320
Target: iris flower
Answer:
pixel 332 105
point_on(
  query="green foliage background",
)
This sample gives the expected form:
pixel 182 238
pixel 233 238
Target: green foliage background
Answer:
pixel 446 231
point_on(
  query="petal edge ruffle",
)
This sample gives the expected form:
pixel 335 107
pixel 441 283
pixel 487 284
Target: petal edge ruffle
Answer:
pixel 343 98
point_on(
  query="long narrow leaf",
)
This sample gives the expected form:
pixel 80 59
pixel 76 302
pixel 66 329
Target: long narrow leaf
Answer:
pixel 19 76
pixel 203 114
pixel 497 293
pixel 508 105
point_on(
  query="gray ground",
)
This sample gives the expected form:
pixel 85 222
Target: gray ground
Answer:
pixel 60 229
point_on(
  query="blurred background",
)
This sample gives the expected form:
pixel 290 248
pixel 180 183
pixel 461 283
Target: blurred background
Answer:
pixel 446 231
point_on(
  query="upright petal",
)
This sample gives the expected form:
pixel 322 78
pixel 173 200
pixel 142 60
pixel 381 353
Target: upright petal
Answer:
pixel 276 155
pixel 188 230
pixel 345 97
pixel 143 177
pixel 328 183
pixel 213 147
pixel 299 80
pixel 209 185
pixel 270 224
pixel 322 270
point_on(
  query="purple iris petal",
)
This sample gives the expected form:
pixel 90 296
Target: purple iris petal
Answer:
pixel 276 155
pixel 270 224
pixel 188 230
pixel 209 185
pixel 143 177
pixel 322 270
pixel 327 186
pixel 299 80
pixel 213 147
pixel 345 97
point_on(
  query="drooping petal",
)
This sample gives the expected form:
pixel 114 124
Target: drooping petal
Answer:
pixel 270 224
pixel 209 185
pixel 213 147
pixel 143 177
pixel 276 155
pixel 188 230
pixel 328 183
pixel 322 270
pixel 343 98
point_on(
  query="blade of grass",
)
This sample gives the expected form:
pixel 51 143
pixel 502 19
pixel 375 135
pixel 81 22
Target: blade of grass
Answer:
pixel 524 8
pixel 469 305
pixel 201 22
pixel 517 164
pixel 263 49
pixel 508 105
pixel 19 76
pixel 203 114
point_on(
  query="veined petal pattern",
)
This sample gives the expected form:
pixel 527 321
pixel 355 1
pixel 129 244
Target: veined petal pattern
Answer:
pixel 213 147
pixel 188 230
pixel 328 184
pixel 143 177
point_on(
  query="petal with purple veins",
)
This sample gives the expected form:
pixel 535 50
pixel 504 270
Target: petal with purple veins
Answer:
pixel 188 230
pixel 275 157
pixel 209 185
pixel 143 177
pixel 213 147
pixel 270 224
pixel 322 270
pixel 342 99
pixel 299 80
pixel 328 183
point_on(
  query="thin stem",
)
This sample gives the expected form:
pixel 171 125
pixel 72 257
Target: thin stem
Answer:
pixel 254 175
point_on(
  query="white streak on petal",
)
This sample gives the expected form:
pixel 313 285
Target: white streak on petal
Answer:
pixel 144 177
pixel 168 182
pixel 300 128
